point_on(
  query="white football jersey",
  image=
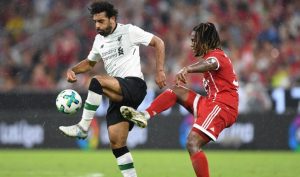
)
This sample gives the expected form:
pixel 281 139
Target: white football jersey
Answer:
pixel 120 50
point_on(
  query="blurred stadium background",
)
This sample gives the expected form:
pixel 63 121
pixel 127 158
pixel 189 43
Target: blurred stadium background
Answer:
pixel 40 39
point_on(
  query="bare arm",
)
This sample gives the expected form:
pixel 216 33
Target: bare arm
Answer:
pixel 159 46
pixel 82 67
pixel 199 67
pixel 203 66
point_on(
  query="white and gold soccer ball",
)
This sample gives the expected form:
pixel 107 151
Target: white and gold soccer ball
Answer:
pixel 68 101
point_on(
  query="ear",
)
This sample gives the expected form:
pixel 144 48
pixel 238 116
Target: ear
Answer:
pixel 112 19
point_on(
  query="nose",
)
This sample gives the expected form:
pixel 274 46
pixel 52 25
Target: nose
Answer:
pixel 97 25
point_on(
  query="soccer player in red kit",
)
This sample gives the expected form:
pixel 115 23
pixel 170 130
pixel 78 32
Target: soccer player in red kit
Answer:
pixel 214 112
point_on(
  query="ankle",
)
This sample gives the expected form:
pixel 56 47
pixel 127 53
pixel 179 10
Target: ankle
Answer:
pixel 146 115
pixel 85 124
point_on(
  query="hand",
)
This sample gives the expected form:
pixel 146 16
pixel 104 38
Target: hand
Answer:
pixel 71 76
pixel 181 76
pixel 160 79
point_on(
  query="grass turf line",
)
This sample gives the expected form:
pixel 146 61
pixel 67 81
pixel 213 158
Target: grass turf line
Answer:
pixel 148 163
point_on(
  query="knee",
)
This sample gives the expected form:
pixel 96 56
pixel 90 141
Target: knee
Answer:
pixel 113 144
pixel 193 144
pixel 117 143
pixel 180 92
pixel 176 89
pixel 190 144
pixel 95 85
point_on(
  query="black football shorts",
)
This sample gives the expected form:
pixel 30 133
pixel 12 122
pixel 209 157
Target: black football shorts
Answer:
pixel 134 90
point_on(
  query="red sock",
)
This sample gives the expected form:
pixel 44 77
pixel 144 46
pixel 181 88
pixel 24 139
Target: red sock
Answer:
pixel 161 103
pixel 200 164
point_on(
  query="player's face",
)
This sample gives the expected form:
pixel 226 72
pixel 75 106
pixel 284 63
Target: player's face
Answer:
pixel 196 45
pixel 104 25
pixel 193 43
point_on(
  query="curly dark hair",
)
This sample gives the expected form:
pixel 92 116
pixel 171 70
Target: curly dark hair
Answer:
pixel 206 38
pixel 103 6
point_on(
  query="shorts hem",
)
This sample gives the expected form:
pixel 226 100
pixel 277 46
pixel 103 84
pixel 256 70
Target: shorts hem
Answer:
pixel 205 132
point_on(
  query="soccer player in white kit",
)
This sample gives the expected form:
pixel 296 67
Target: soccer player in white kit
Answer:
pixel 117 45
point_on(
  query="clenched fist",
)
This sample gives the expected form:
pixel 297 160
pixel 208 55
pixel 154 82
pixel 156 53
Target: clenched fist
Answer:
pixel 71 76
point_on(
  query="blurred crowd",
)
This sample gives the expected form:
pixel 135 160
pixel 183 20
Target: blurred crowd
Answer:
pixel 40 39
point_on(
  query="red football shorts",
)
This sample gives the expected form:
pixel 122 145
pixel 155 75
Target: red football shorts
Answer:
pixel 210 117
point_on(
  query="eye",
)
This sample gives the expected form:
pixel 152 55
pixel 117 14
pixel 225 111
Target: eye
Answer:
pixel 98 21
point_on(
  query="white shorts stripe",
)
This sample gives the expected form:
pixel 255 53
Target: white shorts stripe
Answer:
pixel 209 115
pixel 195 104
pixel 212 117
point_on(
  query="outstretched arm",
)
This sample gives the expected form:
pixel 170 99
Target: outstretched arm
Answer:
pixel 81 67
pixel 199 67
pixel 159 46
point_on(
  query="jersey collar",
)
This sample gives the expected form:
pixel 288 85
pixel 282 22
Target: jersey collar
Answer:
pixel 114 28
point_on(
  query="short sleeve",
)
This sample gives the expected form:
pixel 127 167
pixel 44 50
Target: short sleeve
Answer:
pixel 139 36
pixel 94 54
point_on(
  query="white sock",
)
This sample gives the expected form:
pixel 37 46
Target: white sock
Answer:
pixel 90 106
pixel 125 163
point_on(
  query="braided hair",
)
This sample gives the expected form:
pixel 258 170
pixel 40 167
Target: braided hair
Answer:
pixel 206 38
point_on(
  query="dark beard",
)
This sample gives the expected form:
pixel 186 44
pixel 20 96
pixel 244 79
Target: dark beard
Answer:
pixel 105 32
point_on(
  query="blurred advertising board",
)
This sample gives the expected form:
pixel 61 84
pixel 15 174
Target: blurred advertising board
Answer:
pixel 36 126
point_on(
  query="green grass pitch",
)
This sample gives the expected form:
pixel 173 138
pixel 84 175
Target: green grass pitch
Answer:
pixel 149 163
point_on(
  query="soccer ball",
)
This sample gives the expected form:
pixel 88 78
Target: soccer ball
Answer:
pixel 68 101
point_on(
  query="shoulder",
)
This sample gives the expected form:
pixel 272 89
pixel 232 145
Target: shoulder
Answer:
pixel 134 28
pixel 214 57
pixel 214 53
pixel 124 26
pixel 218 54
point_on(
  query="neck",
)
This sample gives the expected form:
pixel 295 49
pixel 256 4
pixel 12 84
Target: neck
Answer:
pixel 114 27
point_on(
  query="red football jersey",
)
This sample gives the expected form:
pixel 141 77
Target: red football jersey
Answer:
pixel 221 85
